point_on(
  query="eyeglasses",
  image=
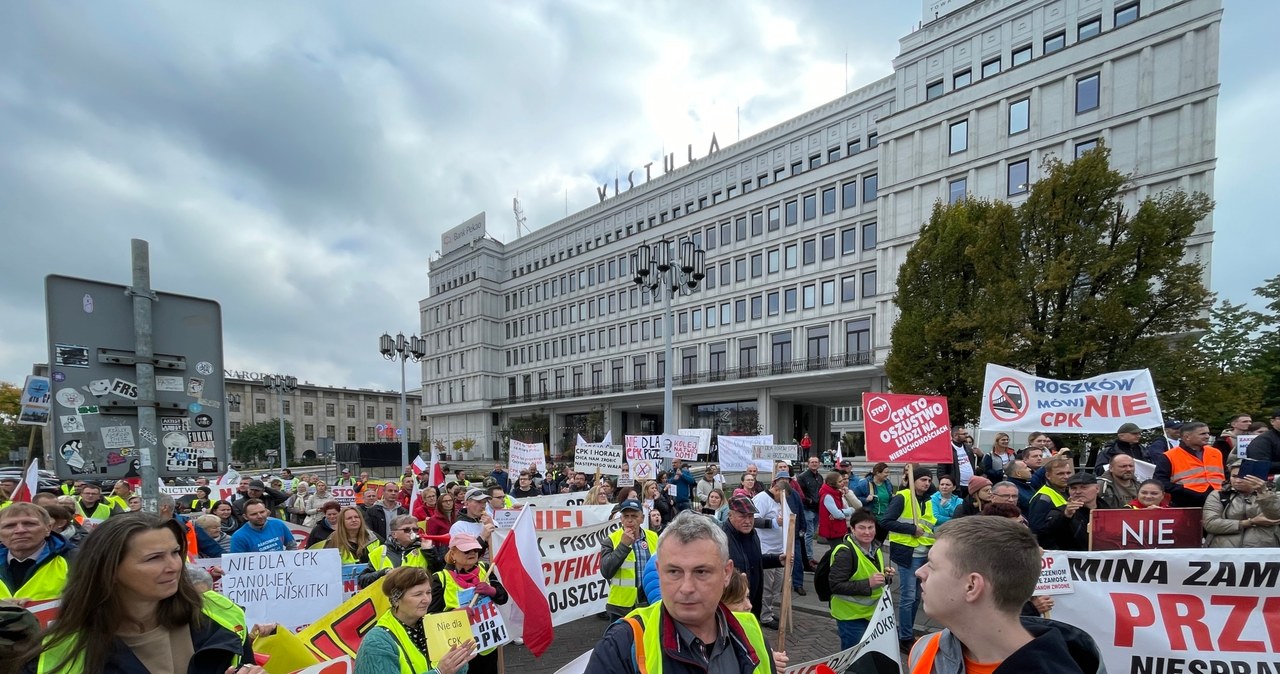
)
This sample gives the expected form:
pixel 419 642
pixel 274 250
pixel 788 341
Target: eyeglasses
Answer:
pixel 406 530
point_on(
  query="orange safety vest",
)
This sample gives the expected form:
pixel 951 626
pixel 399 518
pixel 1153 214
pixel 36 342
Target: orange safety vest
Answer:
pixel 193 542
pixel 1198 475
pixel 925 664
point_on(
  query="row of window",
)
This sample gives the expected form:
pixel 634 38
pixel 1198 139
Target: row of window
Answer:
pixel 1088 95
pixel 309 410
pixel 309 432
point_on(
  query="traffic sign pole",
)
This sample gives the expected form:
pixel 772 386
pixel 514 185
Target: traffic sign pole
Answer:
pixel 144 365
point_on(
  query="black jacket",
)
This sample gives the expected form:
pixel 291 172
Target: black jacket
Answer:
pixel 744 550
pixel 1266 447
pixel 376 519
pixel 215 649
pixel 810 484
pixel 900 554
pixel 1116 447
pixel 1055 648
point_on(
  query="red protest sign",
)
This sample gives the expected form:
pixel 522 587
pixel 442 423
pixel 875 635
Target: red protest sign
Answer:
pixel 903 428
pixel 1146 529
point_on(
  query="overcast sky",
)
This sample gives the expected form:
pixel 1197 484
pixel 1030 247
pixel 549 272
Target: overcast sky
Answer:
pixel 297 162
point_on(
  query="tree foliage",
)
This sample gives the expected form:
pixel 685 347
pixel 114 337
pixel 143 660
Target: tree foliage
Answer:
pixel 254 440
pixel 10 409
pixel 1067 285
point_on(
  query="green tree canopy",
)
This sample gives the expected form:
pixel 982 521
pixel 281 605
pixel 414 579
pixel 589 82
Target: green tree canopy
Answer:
pixel 255 439
pixel 1068 285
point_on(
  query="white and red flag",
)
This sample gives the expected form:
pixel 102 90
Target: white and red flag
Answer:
pixel 519 564
pixel 29 486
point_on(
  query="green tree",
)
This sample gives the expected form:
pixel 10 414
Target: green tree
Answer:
pixel 1067 285
pixel 10 409
pixel 254 440
pixel 1266 364
pixel 1231 343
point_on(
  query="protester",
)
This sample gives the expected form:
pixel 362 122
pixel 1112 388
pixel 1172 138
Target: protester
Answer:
pixel 524 486
pixel 1117 486
pixel 273 498
pixel 1226 440
pixel 1171 438
pixel 623 556
pixel 213 526
pixel 995 464
pixel 473 519
pixel 130 608
pixel 833 515
pixel 976 591
pixel 810 482
pixel 945 500
pixel 756 487
pixel 858 578
pixel 1192 469
pixel 34 558
pixel 1245 514
pixel 979 497
pixel 695 568
pixel 1070 530
pixel 425 506
pixel 1019 475
pixel 398 641
pixel 736 597
pixel 378 516
pixel 875 492
pixel 910 522
pixel 686 486
pixel 226 517
pixel 463 577
pixel 769 507
pixel 1047 505
pixel 745 549
pixel 91 507
pixel 1150 495
pixel 657 499
pixel 710 481
pixel 344 481
pixel 962 468
pixel 715 506
pixel 65 525
pixel 201 503
pixel 261 533
pixel 403 548
pixel 1266 447
pixel 501 477
pixel 439 525
pixel 325 527
pixel 314 507
pixel 1128 441
pixel 351 539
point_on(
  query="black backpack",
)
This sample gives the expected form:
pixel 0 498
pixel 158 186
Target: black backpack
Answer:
pixel 822 576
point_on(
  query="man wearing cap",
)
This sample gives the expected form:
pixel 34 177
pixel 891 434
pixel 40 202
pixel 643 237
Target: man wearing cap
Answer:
pixel 1128 441
pixel 622 560
pixel 380 515
pixel 1266 447
pixel 473 520
pixel 745 550
pixel 1071 530
pixel 1164 443
pixel 346 480
pixel 768 505
pixel 910 522
pixel 272 498
pixel 1192 469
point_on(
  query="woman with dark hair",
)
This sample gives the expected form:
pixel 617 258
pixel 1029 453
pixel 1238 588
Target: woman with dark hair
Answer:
pixel 130 608
pixel 833 515
pixel 398 641
pixel 1151 494
pixel 325 527
pixel 945 500
pixel 439 525
pixel 226 516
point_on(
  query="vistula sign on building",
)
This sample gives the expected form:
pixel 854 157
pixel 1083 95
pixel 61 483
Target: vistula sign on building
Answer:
pixel 936 9
pixel 471 230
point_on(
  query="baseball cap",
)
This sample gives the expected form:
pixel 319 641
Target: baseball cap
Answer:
pixel 1129 427
pixel 743 504
pixel 346 471
pixel 630 504
pixel 1174 423
pixel 1082 478
pixel 464 542
pixel 476 494
pixel 256 484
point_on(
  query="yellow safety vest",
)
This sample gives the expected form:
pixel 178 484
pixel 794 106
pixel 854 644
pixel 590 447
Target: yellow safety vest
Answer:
pixel 1058 500
pixel 909 511
pixel 648 639
pixel 100 512
pixel 347 557
pixel 67 657
pixel 412 660
pixel 858 607
pixel 46 583
pixel 451 589
pixel 117 502
pixel 226 613
pixel 379 560
pixel 623 590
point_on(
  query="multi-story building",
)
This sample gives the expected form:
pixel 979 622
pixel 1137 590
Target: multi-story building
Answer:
pixel 323 415
pixel 805 225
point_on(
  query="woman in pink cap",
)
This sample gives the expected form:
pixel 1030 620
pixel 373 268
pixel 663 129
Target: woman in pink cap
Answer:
pixel 466 581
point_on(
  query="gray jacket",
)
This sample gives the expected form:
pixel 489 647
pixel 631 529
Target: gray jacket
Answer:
pixel 1223 512
pixel 1055 648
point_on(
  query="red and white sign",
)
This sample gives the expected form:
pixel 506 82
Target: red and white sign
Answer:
pixel 904 428
pixel 1148 529
pixel 1017 401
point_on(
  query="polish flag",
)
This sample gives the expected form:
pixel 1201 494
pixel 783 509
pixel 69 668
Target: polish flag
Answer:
pixel 437 472
pixel 29 486
pixel 519 564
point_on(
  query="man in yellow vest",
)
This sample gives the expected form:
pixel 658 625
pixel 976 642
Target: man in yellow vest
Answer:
pixel 33 560
pixel 910 522
pixel 689 630
pixel 622 559
pixel 91 505
pixel 1048 505
pixel 858 578
pixel 976 589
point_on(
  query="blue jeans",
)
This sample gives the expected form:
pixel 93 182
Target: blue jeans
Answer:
pixel 811 521
pixel 799 564
pixel 851 632
pixel 908 597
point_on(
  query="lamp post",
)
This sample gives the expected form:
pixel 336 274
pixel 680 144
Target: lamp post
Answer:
pixel 411 348
pixel 232 399
pixel 280 384
pixel 662 271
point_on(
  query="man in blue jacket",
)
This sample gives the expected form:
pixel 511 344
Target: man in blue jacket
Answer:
pixel 685 484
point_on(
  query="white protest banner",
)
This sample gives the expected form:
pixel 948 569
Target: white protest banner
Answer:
pixel 505 518
pixel 642 469
pixel 217 492
pixel 661 447
pixel 487 624
pixel 526 456
pixel 571 562
pixel 344 495
pixel 640 447
pixel 1055 576
pixel 702 434
pixel 293 588
pixel 877 652
pixel 1242 444
pixel 624 477
pixel 573 498
pixel 1202 610
pixel 766 456
pixel 589 456
pixel 735 450
pixel 1016 401
pixel 546 518
pixel 1143 470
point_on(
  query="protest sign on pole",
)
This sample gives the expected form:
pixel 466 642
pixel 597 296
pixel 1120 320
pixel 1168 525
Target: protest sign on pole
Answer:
pixel 1055 575
pixel 1242 444
pixel 1016 401
pixel 1201 610
pixel 735 450
pixel 526 456
pixel 35 406
pixel 877 653
pixel 766 456
pixel 571 564
pixel 589 456
pixel 624 477
pixel 345 496
pixel 642 469
pixel 293 588
pixel 904 428
pixel 702 434
pixel 573 498
pixel 1152 528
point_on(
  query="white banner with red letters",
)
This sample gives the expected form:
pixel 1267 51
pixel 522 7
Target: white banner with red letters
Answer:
pixel 1017 401
pixel 1197 610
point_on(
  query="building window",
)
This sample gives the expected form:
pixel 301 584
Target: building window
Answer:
pixel 869 236
pixel 815 161
pixel 810 296
pixel 791 213
pixel 1055 42
pixel 260 406
pixel 757 307
pixel 781 351
pixel 960 136
pixel 233 405
pixel 389 412
pixel 790 253
pixel 1019 177
pixel 369 433
pixel 709 236
pixel 818 342
pixel 1087 93
pixel 351 410
pixel 740 311
pixel 869 283
pixel 869 189
pixel 828 246
pixel 726 313
pixel 1084 146
pixel 288 408
pixel 757 223
pixel 308 408
pixel 962 79
pixel 855 146
pixel 1021 55
pixel 329 410
pixel 933 90
pixel 873 139
pixel 330 431
pixel 810 206
pixel 833 154
pixel 773 303
pixel 1019 116
pixel 368 411
pixel 1089 29
pixel 309 432
pixel 740 269
pixel 849 194
pixel 829 201
pixel 810 248
pixel 848 288
pixel 857 337
pixel 789 300
pixel 956 190
pixel 747 353
pixel 351 433
pixel 848 240
pixel 774 213
pixel 991 67
pixel 1126 15
pixel 828 292
pixel 726 233
pixel 235 429
pixel 740 227
pixel 718 361
pixel 797 167
pixel 775 258
pixel 757 265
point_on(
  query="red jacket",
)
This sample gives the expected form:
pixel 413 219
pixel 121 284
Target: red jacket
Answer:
pixel 828 526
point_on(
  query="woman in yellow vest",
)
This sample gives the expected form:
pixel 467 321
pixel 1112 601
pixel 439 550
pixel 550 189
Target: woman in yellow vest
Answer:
pixel 858 578
pixel 130 608
pixel 351 538
pixel 398 642
pixel 464 582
